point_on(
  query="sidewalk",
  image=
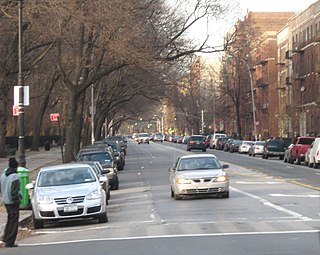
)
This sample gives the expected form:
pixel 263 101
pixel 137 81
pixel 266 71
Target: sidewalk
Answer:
pixel 34 161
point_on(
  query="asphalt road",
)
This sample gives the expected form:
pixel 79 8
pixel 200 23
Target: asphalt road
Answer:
pixel 265 214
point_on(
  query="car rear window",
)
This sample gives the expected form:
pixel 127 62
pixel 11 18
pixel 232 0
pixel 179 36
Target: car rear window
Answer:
pixel 306 140
pixel 197 138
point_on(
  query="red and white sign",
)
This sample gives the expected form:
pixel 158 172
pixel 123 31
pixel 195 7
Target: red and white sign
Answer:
pixel 54 116
pixel 15 110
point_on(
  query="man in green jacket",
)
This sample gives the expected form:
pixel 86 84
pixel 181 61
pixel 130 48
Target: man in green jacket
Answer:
pixel 11 197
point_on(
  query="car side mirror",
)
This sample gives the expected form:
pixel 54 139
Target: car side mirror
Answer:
pixel 105 171
pixel 171 169
pixel 30 186
pixel 103 179
pixel 224 166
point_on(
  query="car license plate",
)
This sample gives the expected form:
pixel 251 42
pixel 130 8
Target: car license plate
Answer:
pixel 70 208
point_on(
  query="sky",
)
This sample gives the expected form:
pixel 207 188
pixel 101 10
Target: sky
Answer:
pixel 217 30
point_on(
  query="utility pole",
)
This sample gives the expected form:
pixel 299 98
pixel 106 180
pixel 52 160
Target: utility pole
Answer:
pixel 21 141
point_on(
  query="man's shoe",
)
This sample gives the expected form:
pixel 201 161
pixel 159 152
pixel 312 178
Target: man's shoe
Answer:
pixel 11 246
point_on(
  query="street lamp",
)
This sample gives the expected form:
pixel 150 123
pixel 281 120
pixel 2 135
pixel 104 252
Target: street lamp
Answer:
pixel 21 145
pixel 92 115
pixel 252 97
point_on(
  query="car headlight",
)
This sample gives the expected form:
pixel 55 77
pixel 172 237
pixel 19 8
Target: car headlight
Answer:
pixel 94 195
pixel 222 178
pixel 183 181
pixel 44 200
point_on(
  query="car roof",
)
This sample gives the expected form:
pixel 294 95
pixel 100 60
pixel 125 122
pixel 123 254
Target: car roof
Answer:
pixel 204 155
pixel 63 166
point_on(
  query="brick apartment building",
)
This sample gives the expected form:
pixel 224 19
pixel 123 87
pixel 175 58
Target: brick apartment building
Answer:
pixel 265 81
pixel 303 72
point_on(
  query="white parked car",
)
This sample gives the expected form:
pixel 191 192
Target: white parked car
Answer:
pixel 245 146
pixel 313 154
pixel 67 191
pixel 198 174
pixel 256 148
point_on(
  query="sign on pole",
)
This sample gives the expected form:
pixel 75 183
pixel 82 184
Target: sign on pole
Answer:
pixel 16 95
pixel 54 116
pixel 15 110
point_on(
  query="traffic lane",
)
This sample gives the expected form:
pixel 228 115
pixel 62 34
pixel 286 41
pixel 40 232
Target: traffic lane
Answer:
pixel 259 243
pixel 250 207
pixel 253 199
pixel 298 174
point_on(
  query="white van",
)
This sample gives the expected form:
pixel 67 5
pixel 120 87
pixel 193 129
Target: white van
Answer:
pixel 314 154
pixel 213 141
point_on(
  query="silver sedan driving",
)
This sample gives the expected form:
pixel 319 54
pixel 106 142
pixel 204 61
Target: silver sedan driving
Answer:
pixel 198 174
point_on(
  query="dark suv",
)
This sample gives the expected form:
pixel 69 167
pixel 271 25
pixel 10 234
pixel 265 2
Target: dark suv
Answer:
pixel 197 142
pixel 273 148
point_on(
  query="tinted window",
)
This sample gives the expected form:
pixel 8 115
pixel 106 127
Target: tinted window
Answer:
pixel 103 158
pixel 197 138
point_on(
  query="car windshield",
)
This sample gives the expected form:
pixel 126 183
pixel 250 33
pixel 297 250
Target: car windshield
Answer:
pixel 144 135
pixel 102 158
pixel 260 143
pixel 200 163
pixel 68 176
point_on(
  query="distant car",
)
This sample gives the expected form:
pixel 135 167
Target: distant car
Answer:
pixel 221 143
pixel 118 153
pixel 107 162
pixel 287 155
pixel 196 142
pixel 227 144
pixel 256 148
pixel 67 191
pixel 208 139
pixel 273 148
pixel 143 138
pixel 234 146
pixel 214 139
pixel 198 174
pixel 158 137
pixel 245 146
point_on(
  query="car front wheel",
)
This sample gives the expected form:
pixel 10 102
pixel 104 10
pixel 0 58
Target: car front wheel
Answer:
pixel 37 223
pixel 103 218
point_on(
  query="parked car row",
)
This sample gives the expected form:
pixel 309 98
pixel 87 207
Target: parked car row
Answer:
pixel 79 189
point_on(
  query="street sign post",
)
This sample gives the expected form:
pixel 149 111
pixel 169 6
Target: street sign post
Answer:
pixel 55 117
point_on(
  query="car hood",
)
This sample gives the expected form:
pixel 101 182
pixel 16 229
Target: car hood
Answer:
pixel 201 173
pixel 67 190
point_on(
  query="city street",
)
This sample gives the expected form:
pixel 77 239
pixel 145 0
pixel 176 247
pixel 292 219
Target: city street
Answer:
pixel 267 213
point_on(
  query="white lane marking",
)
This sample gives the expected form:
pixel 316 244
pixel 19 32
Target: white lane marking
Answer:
pixel 142 167
pixel 302 196
pixel 244 182
pixel 174 236
pixel 276 207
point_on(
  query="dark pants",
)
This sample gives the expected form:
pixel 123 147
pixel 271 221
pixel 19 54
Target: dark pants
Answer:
pixel 11 230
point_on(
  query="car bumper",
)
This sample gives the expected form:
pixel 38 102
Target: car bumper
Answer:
pixel 80 210
pixel 191 189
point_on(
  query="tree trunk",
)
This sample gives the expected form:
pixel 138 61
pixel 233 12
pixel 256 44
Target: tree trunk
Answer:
pixel 79 124
pixel 70 126
pixel 3 126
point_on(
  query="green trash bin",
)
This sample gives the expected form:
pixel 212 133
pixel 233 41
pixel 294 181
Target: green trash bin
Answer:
pixel 24 180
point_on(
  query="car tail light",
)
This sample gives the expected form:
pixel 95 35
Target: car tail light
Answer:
pixel 191 142
pixel 203 142
pixel 317 153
